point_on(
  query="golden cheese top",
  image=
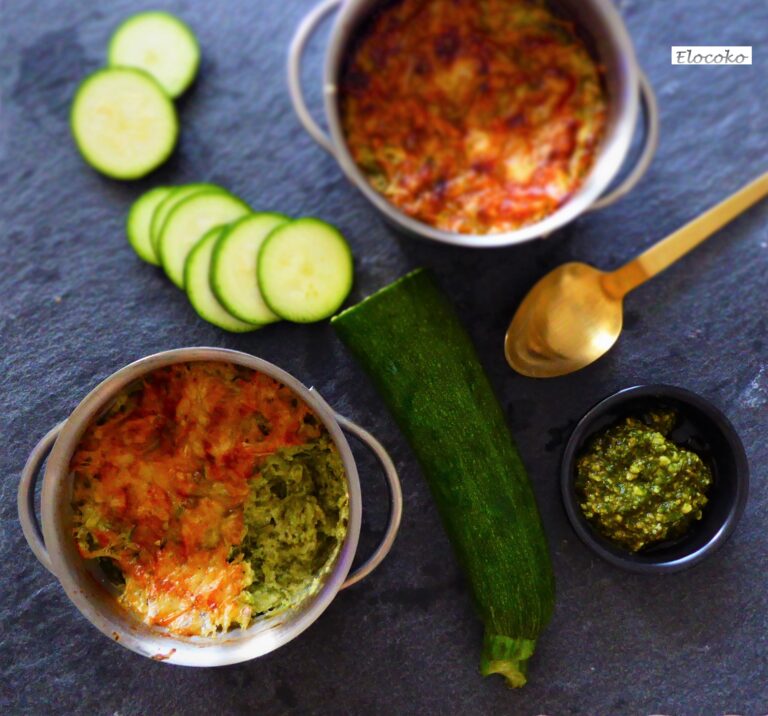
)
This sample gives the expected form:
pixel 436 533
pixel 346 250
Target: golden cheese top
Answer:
pixel 474 116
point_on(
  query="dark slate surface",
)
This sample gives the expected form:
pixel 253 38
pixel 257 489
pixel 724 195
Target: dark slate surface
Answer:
pixel 76 304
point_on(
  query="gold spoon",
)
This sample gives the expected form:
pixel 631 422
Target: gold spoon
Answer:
pixel 573 315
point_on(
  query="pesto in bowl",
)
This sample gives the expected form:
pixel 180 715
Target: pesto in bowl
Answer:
pixel 700 428
pixel 636 486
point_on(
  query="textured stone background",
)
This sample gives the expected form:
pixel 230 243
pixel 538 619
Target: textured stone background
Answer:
pixel 76 304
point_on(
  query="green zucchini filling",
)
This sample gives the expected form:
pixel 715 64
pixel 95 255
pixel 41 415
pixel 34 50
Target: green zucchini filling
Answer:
pixel 296 517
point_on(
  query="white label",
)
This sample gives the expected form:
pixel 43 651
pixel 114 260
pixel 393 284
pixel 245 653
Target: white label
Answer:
pixel 712 55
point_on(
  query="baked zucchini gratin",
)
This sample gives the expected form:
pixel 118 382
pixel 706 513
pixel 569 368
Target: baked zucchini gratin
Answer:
pixel 209 494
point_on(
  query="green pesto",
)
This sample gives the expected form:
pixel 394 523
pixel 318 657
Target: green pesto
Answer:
pixel 637 487
pixel 296 518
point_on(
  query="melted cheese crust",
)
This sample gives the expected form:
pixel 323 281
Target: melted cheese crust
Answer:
pixel 474 116
pixel 160 484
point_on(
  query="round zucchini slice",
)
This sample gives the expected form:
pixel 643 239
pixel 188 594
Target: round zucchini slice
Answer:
pixel 138 223
pixel 188 221
pixel 158 43
pixel 196 271
pixel 234 275
pixel 123 123
pixel 165 207
pixel 305 270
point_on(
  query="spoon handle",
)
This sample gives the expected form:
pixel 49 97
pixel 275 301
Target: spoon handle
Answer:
pixel 664 253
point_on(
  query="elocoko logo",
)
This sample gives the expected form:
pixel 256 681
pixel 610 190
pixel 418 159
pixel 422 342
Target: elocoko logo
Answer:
pixel 712 55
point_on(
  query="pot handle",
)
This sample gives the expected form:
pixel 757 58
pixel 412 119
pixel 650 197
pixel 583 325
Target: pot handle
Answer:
pixel 26 497
pixel 651 115
pixel 296 51
pixel 395 501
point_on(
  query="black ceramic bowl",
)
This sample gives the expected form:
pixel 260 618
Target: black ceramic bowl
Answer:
pixel 703 429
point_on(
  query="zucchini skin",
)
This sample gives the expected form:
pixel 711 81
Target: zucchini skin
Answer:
pixel 410 341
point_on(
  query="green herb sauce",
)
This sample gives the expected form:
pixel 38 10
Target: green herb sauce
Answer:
pixel 637 487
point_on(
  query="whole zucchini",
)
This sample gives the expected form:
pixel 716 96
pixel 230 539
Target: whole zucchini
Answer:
pixel 410 341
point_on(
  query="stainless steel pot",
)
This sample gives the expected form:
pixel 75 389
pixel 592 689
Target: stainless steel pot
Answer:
pixel 625 83
pixel 55 547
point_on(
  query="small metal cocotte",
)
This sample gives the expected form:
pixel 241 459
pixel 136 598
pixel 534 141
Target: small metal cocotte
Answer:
pixel 52 542
pixel 625 82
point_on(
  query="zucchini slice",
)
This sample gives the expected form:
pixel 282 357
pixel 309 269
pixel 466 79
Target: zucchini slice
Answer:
pixel 160 44
pixel 305 270
pixel 123 122
pixel 196 271
pixel 165 207
pixel 188 221
pixel 138 222
pixel 234 267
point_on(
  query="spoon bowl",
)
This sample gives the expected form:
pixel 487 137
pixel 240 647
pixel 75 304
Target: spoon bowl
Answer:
pixel 568 320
